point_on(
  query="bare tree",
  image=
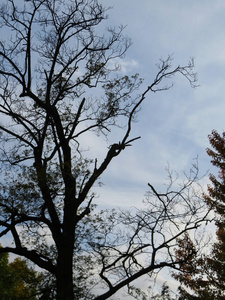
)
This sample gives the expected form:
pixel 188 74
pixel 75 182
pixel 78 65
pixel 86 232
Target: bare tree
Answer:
pixel 144 241
pixel 53 62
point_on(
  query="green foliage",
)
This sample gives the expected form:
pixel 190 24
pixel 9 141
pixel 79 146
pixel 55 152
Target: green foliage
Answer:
pixel 17 280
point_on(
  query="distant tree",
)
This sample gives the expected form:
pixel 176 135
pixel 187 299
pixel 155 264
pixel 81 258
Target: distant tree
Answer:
pixel 17 280
pixel 164 294
pixel 206 275
pixel 59 82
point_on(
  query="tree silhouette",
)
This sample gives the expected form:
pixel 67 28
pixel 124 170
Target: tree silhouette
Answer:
pixel 59 82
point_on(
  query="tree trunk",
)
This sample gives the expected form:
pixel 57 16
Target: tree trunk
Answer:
pixel 64 275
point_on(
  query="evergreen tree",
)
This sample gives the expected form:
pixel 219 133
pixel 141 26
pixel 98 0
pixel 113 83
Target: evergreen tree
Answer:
pixel 205 276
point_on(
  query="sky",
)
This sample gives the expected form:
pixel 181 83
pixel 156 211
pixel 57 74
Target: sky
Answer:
pixel 174 124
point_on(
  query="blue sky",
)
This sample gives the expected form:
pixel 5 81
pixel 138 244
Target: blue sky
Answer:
pixel 174 124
